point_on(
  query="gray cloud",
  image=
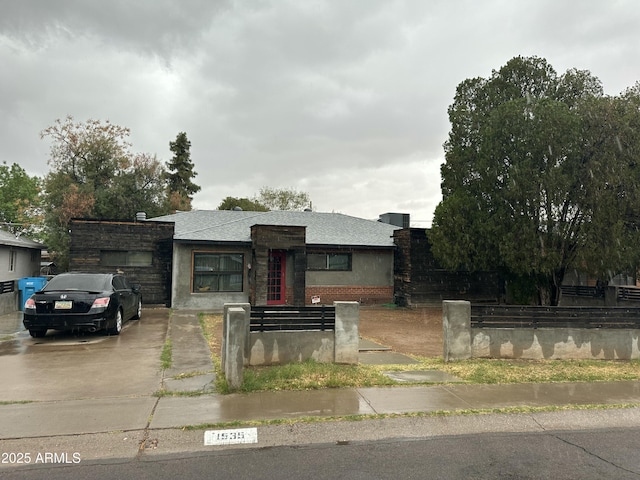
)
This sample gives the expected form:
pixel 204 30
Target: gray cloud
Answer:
pixel 345 100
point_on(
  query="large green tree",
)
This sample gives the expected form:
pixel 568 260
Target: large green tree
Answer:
pixel 540 177
pixel 283 199
pixel 20 211
pixel 88 155
pixel 231 203
pixel 93 173
pixel 140 187
pixel 269 199
pixel 180 173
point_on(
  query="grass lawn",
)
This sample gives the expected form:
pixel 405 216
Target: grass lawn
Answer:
pixel 313 375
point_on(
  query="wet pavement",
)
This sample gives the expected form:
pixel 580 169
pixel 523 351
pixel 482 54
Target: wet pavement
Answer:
pixel 173 412
pixel 192 367
pixel 72 366
pixel 139 413
pixel 120 375
pixel 11 323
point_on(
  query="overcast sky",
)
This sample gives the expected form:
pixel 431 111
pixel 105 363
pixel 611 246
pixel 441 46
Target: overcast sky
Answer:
pixel 343 99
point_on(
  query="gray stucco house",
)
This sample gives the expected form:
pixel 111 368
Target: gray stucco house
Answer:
pixel 278 258
pixel 19 258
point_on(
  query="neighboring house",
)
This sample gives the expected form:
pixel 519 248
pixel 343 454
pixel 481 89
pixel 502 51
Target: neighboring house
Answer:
pixel 19 258
pixel 277 258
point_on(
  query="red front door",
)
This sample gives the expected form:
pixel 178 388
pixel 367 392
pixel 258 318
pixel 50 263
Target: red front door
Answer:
pixel 276 279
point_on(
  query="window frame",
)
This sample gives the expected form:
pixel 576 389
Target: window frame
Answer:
pixel 13 259
pixel 129 254
pixel 327 263
pixel 224 276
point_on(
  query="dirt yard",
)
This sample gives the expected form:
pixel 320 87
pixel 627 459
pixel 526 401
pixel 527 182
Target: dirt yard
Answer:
pixel 416 331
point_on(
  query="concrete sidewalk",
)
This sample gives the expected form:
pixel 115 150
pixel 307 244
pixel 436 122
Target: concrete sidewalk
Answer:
pixel 176 411
pixel 43 419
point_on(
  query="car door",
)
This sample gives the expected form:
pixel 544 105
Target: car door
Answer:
pixel 125 296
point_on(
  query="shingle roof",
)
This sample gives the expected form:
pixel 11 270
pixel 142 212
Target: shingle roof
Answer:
pixel 10 239
pixel 321 228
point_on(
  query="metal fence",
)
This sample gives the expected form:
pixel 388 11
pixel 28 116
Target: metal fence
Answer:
pixel 504 316
pixel 274 318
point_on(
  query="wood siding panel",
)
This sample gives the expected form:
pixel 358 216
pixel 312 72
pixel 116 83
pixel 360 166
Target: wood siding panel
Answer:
pixel 419 279
pixel 90 237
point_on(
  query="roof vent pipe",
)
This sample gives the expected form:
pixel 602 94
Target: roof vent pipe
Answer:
pixel 141 216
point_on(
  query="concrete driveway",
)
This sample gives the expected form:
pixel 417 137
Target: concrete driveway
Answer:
pixel 64 366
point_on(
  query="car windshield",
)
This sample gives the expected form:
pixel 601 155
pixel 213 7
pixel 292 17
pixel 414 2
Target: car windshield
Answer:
pixel 84 282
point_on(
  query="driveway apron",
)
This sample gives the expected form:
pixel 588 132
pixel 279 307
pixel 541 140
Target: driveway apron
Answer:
pixel 64 366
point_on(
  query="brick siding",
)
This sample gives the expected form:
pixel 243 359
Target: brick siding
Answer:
pixel 366 295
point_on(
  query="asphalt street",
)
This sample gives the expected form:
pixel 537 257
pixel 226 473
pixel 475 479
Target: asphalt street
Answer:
pixel 573 454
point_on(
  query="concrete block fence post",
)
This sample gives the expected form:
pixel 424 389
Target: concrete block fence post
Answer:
pixel 347 339
pixel 247 309
pixel 237 330
pixel 456 330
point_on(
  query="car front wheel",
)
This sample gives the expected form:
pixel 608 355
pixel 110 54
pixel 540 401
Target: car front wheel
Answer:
pixel 117 327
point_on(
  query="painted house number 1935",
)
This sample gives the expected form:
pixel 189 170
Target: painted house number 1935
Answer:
pixel 231 437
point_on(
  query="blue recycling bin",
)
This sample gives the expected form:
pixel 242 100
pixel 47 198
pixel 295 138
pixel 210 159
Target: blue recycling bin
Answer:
pixel 28 286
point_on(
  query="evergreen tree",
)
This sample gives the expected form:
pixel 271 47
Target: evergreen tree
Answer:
pixel 180 173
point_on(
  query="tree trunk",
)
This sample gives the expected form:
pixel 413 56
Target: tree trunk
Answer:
pixel 549 289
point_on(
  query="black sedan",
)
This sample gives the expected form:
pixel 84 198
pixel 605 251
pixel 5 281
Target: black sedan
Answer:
pixel 83 302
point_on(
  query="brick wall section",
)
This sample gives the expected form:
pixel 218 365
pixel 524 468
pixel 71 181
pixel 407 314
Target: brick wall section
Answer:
pixel 90 237
pixel 366 295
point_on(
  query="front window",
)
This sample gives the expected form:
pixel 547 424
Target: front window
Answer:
pixel 329 261
pixel 217 272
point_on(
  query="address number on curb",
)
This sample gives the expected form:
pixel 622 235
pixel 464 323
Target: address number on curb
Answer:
pixel 231 437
